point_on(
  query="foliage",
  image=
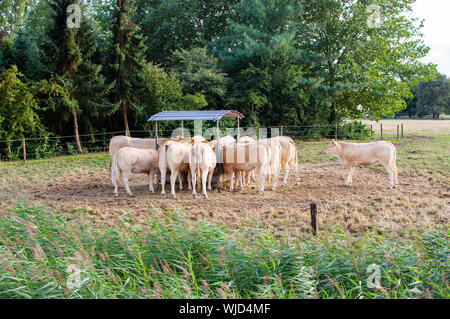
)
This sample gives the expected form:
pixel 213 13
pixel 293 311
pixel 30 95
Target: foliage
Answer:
pixel 432 97
pixel 18 112
pixel 354 130
pixel 199 72
pixel 168 257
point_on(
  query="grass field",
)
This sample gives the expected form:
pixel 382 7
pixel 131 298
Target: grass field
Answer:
pixel 58 214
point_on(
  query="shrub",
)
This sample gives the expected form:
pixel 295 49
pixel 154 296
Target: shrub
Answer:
pixel 355 130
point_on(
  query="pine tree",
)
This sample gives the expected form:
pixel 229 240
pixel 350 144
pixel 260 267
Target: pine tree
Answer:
pixel 262 59
pixel 128 60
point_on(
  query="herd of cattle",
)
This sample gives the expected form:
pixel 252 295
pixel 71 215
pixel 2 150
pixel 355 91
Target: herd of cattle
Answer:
pixel 241 161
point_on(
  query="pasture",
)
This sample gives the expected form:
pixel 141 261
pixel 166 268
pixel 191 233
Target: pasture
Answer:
pixel 363 224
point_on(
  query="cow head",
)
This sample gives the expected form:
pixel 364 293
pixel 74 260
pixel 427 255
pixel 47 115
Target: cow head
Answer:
pixel 332 148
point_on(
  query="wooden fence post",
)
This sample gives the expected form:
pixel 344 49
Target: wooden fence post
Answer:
pixel 24 151
pixel 381 126
pixel 398 131
pixel 335 132
pixel 313 208
pixel 402 130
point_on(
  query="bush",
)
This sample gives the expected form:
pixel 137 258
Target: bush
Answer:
pixel 355 130
pixel 444 117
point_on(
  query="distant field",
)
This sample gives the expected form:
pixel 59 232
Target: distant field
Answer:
pixel 410 127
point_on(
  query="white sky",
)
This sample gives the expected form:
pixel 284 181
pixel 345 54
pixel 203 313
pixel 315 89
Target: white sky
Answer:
pixel 436 31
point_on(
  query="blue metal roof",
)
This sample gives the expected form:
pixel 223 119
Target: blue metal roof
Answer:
pixel 195 115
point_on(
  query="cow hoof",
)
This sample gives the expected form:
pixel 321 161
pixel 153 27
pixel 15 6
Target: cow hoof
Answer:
pixel 116 195
pixel 193 195
pixel 130 195
pixel 163 195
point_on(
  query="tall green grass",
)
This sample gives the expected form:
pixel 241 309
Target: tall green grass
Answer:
pixel 170 258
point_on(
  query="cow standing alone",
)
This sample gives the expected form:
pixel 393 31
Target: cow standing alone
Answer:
pixel 356 154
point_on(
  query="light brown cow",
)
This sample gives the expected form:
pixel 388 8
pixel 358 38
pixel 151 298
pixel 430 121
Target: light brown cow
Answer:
pixel 203 162
pixel 176 157
pixel 241 157
pixel 117 142
pixel 275 159
pixel 289 157
pixel 354 154
pixel 133 160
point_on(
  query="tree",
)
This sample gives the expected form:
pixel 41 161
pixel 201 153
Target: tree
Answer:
pixel 433 97
pixel 173 24
pixel 365 63
pixel 18 112
pixel 199 72
pixel 128 60
pixel 263 62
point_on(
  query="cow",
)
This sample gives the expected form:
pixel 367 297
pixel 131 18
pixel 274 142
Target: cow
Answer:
pixel 133 160
pixel 117 142
pixel 289 157
pixel 240 157
pixel 354 154
pixel 275 159
pixel 175 156
pixel 251 174
pixel 203 162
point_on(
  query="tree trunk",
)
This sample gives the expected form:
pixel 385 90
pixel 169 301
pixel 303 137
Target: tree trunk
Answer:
pixel 125 119
pixel 77 137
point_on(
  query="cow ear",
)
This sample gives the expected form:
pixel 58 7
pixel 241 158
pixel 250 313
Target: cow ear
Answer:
pixel 192 141
pixel 205 142
pixel 333 142
pixel 180 137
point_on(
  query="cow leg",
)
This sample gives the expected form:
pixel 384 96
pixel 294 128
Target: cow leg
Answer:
pixel 352 171
pixel 395 176
pixel 391 176
pixel 150 181
pixel 194 182
pixel 189 180
pixel 204 173
pixel 126 179
pixel 262 180
pixel 349 177
pixel 116 186
pixel 163 172
pixel 180 179
pixel 210 176
pixel 240 175
pixel 231 181
pixel 294 168
pixel 173 179
pixel 286 173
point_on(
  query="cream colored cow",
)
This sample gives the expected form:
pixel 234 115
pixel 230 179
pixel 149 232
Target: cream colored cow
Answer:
pixel 241 157
pixel 354 154
pixel 202 164
pixel 176 157
pixel 275 159
pixel 289 157
pixel 117 142
pixel 247 175
pixel 133 160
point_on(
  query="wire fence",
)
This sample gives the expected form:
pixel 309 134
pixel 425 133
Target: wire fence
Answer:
pixel 49 146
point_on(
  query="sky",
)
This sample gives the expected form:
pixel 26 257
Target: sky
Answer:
pixel 436 31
